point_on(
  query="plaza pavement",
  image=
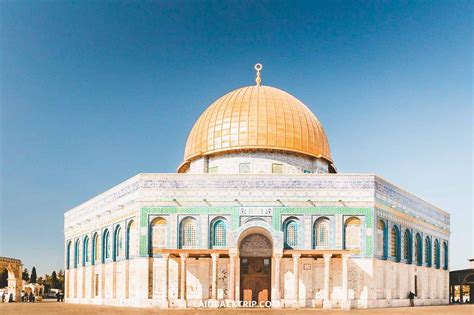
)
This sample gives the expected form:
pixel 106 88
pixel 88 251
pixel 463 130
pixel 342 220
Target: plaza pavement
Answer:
pixel 54 308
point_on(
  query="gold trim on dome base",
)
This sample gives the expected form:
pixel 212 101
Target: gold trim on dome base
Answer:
pixel 256 118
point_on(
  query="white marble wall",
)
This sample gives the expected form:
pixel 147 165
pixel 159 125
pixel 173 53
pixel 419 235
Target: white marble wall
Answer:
pixel 371 283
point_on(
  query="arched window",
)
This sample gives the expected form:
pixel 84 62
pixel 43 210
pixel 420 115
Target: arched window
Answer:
pixel 418 250
pixel 85 254
pixel 290 230
pixel 321 233
pixel 381 239
pixel 446 255
pixel 68 255
pixel 132 240
pixel 105 246
pixel 95 248
pixel 118 243
pixel 395 243
pixel 428 251
pixel 218 233
pixel 407 252
pixel 436 254
pixel 77 252
pixel 188 233
pixel 159 234
pixel 352 233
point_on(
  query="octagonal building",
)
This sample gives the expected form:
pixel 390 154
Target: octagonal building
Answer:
pixel 256 215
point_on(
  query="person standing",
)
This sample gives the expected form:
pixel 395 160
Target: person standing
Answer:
pixel 411 296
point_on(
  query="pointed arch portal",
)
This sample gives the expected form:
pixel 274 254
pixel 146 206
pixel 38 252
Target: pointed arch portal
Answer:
pixel 255 268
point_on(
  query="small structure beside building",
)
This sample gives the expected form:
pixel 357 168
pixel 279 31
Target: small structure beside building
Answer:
pixel 35 288
pixel 461 285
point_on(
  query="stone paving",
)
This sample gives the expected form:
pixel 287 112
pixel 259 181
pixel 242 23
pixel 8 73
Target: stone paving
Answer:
pixel 54 308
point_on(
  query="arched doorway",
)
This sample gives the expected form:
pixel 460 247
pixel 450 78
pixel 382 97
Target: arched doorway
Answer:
pixel 14 270
pixel 255 252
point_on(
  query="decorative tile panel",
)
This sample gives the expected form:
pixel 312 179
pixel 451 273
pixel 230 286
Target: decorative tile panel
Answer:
pixel 279 214
pixel 145 212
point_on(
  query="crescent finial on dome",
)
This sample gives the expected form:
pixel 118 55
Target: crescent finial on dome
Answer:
pixel 258 67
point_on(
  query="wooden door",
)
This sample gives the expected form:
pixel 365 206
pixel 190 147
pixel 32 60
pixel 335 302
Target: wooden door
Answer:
pixel 255 279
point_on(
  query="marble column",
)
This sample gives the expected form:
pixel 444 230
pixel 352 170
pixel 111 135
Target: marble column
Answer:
pixel 276 302
pixel 327 266
pixel 66 283
pixel 345 303
pixel 75 282
pixel 83 284
pixel 166 261
pixel 237 279
pixel 231 294
pixel 92 280
pixel 402 272
pixel 296 274
pixel 388 280
pixel 102 281
pixel 114 280
pixel 214 257
pixel 182 291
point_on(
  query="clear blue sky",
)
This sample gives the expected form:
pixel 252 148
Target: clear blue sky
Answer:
pixel 94 92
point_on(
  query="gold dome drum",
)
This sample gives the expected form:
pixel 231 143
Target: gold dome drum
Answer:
pixel 256 118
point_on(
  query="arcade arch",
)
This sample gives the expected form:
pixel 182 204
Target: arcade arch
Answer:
pixel 14 268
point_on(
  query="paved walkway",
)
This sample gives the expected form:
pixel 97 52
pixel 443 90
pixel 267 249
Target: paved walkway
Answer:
pixel 54 308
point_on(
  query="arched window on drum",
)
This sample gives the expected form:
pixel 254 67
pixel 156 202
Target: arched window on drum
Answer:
pixel 77 253
pixel 85 254
pixel 436 252
pixel 188 233
pixel 95 249
pixel 395 243
pixel 428 251
pixel 322 233
pixel 352 233
pixel 105 246
pixel 132 240
pixel 218 233
pixel 68 254
pixel 290 230
pixel 445 255
pixel 118 243
pixel 418 249
pixel 159 234
pixel 407 247
pixel 382 239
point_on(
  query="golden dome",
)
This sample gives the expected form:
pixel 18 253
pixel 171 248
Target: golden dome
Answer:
pixel 256 118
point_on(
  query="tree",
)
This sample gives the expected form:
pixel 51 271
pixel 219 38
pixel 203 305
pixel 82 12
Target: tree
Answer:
pixel 25 275
pixel 61 279
pixel 33 275
pixel 4 278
